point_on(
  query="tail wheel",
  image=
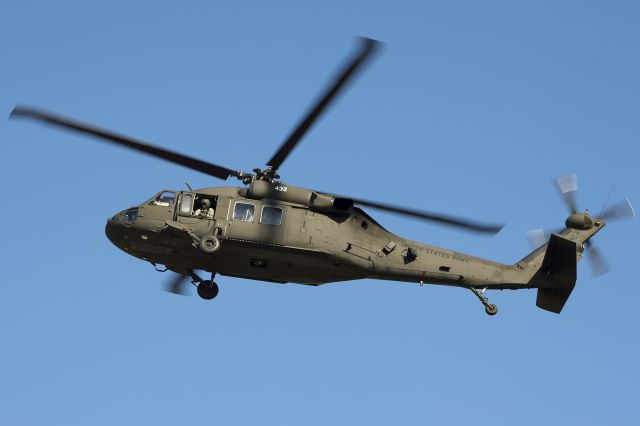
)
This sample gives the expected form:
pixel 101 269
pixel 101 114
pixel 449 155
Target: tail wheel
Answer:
pixel 208 289
pixel 491 309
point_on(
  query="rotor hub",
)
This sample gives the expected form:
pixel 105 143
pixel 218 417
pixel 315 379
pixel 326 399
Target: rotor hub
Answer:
pixel 582 221
pixel 269 174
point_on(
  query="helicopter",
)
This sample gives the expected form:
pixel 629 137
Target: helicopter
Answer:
pixel 271 231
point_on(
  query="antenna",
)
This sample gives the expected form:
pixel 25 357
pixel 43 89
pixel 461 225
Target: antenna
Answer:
pixel 607 199
pixel 188 186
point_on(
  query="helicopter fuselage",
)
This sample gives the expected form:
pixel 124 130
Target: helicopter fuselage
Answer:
pixel 285 242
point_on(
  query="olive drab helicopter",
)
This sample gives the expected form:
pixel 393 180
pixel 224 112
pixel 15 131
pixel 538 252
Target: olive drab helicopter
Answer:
pixel 271 231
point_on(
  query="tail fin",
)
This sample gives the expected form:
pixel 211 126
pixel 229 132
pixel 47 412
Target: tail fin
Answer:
pixel 560 267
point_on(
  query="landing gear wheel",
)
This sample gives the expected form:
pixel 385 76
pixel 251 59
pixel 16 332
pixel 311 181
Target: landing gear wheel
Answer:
pixel 208 289
pixel 491 309
pixel 209 244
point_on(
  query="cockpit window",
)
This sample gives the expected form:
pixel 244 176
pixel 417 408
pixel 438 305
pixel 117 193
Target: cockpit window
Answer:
pixel 244 212
pixel 271 215
pixel 165 199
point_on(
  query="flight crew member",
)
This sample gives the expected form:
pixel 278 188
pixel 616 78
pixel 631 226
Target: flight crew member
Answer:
pixel 205 211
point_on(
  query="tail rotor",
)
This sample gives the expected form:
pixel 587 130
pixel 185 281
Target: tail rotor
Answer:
pixel 568 188
pixel 537 238
pixel 597 262
pixel 621 210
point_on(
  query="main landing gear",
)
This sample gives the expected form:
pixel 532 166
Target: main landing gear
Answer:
pixel 207 289
pixel 489 308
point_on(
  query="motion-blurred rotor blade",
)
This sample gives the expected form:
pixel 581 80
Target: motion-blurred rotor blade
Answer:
pixel 621 210
pixel 597 262
pixel 367 48
pixel 536 238
pixel 177 284
pixel 568 185
pixel 165 154
pixel 433 217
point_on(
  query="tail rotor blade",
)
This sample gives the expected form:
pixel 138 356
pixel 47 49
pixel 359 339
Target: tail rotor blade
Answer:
pixel 536 238
pixel 621 210
pixel 568 185
pixel 597 262
pixel 177 284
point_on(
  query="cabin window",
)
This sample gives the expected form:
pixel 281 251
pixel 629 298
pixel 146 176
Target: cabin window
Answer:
pixel 271 215
pixel 165 199
pixel 200 206
pixel 186 203
pixel 244 212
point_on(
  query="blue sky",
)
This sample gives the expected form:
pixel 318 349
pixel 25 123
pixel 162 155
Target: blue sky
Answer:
pixel 471 109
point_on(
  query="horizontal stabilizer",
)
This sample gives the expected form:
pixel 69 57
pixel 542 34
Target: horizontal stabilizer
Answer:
pixel 560 267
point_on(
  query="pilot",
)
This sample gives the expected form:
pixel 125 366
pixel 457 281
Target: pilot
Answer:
pixel 205 211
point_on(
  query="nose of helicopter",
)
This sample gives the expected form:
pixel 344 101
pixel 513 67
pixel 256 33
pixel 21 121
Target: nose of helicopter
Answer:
pixel 120 226
pixel 114 229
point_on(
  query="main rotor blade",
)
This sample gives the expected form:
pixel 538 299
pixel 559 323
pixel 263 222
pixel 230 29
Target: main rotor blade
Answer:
pixel 621 210
pixel 568 185
pixel 165 154
pixel 177 284
pixel 367 48
pixel 433 217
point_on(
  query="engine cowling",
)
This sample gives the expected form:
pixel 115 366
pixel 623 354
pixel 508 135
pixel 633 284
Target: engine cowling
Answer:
pixel 260 189
pixel 331 204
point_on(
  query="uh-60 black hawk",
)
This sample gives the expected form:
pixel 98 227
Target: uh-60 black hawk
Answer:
pixel 275 232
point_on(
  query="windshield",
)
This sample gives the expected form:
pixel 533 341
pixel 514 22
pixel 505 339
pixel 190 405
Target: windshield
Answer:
pixel 165 199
